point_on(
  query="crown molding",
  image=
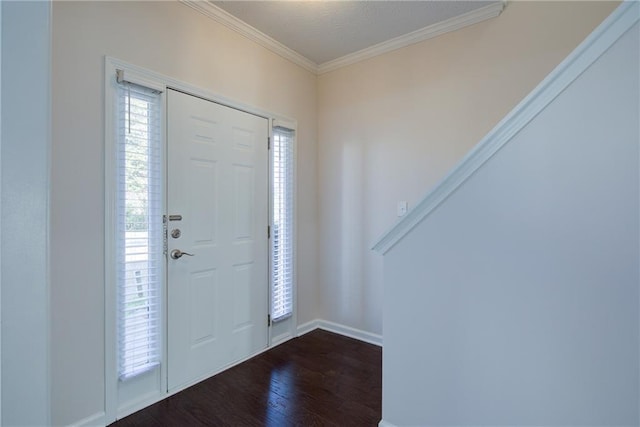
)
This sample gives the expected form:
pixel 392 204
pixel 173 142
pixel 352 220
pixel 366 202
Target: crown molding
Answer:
pixel 222 17
pixel 452 24
pixel 601 39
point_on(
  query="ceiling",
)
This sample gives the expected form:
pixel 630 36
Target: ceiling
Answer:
pixel 329 34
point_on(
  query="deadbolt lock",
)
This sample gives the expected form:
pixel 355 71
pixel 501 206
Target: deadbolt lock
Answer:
pixel 175 233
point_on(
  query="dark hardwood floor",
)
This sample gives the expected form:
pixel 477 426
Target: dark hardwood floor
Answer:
pixel 319 379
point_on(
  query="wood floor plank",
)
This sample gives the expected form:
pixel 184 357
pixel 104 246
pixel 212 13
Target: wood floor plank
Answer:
pixel 319 379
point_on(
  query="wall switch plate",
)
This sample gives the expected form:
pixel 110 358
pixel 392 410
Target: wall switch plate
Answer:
pixel 402 208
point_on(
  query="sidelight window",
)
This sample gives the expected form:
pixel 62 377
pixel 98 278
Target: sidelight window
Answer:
pixel 282 234
pixel 139 245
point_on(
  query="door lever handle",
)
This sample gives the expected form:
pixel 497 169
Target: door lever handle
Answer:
pixel 177 254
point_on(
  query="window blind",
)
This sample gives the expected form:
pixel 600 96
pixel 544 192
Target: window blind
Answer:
pixel 139 241
pixel 282 234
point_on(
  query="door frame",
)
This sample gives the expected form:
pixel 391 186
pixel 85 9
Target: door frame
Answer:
pixel 152 79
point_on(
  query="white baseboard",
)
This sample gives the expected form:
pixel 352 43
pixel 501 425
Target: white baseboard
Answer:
pixel 97 419
pixel 337 328
pixel 308 327
pixel 282 338
pixel 141 403
pixel 384 423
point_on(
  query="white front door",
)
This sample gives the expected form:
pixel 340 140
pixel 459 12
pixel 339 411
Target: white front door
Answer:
pixel 218 214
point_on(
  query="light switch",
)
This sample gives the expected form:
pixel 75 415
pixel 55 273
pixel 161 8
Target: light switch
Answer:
pixel 402 208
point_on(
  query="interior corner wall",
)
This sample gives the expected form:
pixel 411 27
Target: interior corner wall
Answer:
pixel 175 40
pixel 390 127
pixel 24 219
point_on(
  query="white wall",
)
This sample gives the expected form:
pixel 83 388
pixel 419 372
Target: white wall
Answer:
pixel 516 302
pixel 390 127
pixel 177 41
pixel 26 112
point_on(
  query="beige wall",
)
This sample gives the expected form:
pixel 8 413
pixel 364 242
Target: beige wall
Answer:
pixel 174 40
pixel 390 127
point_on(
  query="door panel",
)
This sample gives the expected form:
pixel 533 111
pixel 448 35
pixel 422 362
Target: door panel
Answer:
pixel 218 183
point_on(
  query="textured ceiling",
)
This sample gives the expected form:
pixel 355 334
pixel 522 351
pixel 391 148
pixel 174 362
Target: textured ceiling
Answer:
pixel 326 30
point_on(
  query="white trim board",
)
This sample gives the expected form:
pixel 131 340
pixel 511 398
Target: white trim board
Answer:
pixel 431 31
pixel 601 39
pixel 344 330
pixel 280 339
pixel 307 327
pixel 225 18
pixel 452 24
pixel 384 423
pixel 97 419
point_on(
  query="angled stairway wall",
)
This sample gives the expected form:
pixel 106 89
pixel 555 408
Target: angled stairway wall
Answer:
pixel 512 290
